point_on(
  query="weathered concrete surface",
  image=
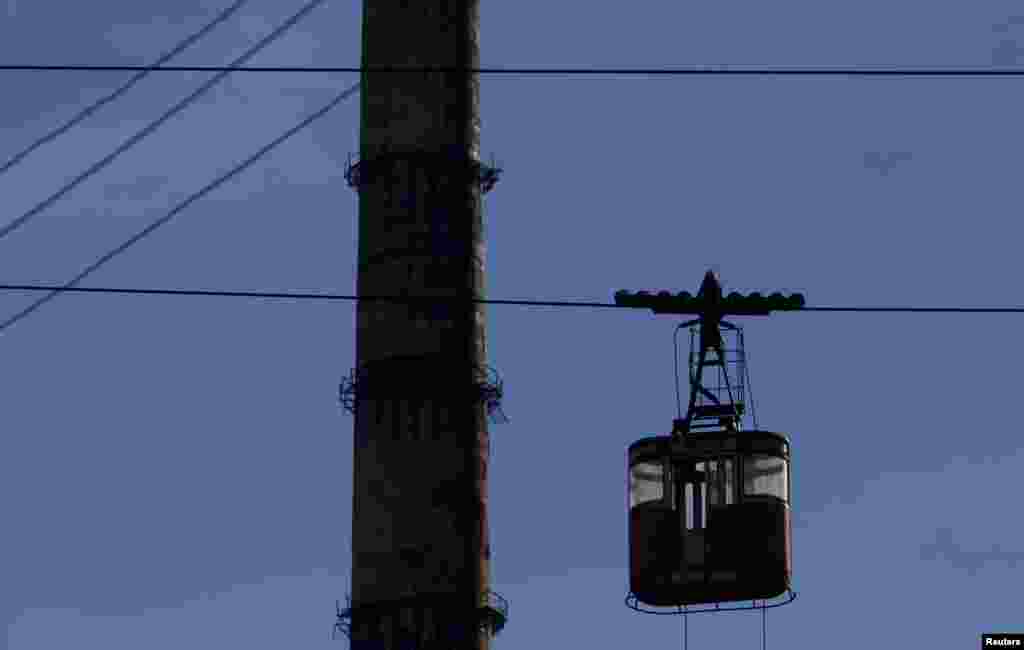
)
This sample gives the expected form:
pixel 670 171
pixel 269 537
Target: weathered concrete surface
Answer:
pixel 419 486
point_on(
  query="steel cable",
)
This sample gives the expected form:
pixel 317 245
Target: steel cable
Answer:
pixel 177 108
pixel 181 206
pixel 125 87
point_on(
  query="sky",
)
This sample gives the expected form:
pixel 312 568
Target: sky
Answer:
pixel 176 471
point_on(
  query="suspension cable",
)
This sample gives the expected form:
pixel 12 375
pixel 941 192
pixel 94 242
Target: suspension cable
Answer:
pixel 125 87
pixel 568 72
pixel 158 122
pixel 220 180
pixel 764 633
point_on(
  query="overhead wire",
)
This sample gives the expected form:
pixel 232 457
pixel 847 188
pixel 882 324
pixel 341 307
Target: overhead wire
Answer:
pixel 177 108
pixel 237 67
pixel 764 628
pixel 284 295
pixel 220 180
pixel 619 72
pixel 123 88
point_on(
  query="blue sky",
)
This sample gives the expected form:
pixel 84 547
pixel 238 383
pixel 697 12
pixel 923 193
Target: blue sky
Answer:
pixel 176 472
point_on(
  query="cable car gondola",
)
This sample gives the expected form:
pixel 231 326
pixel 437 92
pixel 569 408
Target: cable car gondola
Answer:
pixel 709 514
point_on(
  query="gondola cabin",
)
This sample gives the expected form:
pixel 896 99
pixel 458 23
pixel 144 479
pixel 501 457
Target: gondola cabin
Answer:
pixel 709 517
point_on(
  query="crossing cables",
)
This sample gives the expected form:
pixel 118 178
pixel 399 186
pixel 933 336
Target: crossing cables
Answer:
pixel 727 71
pixel 153 126
pixel 125 87
pixel 184 204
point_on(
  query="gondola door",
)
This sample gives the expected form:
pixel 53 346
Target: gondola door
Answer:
pixel 689 501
